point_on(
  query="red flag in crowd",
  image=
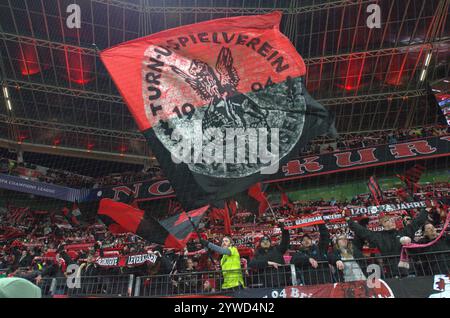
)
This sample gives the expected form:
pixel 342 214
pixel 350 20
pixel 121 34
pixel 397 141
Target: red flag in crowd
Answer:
pixel 375 190
pixel 222 214
pixel 412 177
pixel 257 194
pixel 173 232
pixel 232 205
pixel 284 199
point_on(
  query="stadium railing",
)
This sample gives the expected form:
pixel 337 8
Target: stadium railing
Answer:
pixel 88 286
pixel 211 282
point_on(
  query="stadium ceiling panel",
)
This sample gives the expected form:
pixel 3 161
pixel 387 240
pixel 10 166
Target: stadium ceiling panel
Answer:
pixel 371 78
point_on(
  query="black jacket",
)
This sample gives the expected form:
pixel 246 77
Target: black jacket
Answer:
pixel 318 252
pixel 306 274
pixel 443 244
pixel 437 257
pixel 25 261
pixel 388 242
pixel 267 276
pixel 273 253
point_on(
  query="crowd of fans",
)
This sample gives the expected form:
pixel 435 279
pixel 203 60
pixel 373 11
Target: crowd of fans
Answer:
pixel 362 140
pixel 45 243
pixel 72 180
pixel 320 145
pixel 44 174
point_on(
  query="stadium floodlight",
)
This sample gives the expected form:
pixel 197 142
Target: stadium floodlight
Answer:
pixel 422 76
pixel 427 60
pixel 7 98
pixel 6 92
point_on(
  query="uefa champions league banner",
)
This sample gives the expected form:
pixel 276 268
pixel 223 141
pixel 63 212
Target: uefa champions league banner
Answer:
pixel 307 166
pixel 43 189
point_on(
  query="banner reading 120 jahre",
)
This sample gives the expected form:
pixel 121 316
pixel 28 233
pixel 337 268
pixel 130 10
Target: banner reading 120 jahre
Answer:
pixel 196 83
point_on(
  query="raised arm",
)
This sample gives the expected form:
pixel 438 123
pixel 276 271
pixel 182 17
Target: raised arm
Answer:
pixel 361 232
pixel 416 224
pixel 218 249
pixel 324 240
pixel 285 240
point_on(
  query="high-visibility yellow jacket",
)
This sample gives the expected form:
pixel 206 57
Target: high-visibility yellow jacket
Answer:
pixel 231 269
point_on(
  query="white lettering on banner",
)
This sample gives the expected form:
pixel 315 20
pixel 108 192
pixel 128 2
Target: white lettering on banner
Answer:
pixel 140 259
pixel 386 208
pixel 302 221
pixel 109 261
pixel 27 186
pixel 295 293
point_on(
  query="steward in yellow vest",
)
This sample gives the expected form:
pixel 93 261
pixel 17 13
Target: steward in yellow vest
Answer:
pixel 230 263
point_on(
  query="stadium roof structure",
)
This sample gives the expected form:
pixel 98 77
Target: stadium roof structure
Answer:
pixel 59 98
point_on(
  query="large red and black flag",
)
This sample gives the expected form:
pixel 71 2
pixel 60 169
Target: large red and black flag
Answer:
pixel 173 232
pixel 375 190
pixel 209 96
pixel 224 215
pixel 412 177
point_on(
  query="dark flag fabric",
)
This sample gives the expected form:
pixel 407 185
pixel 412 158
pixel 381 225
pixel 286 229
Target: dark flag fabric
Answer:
pixel 375 190
pixel 224 215
pixel 232 206
pixel 174 207
pixel 256 192
pixel 173 232
pixel 115 228
pixel 412 177
pixel 222 103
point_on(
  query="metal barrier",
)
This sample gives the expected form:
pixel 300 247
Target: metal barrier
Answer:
pixel 384 267
pixel 198 283
pixel 47 286
pixel 213 282
pixel 88 286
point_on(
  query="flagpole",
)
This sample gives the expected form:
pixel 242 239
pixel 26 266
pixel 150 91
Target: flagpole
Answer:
pixel 199 237
pixel 270 208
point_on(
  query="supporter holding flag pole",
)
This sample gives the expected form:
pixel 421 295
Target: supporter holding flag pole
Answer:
pixel 375 190
pixel 195 227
